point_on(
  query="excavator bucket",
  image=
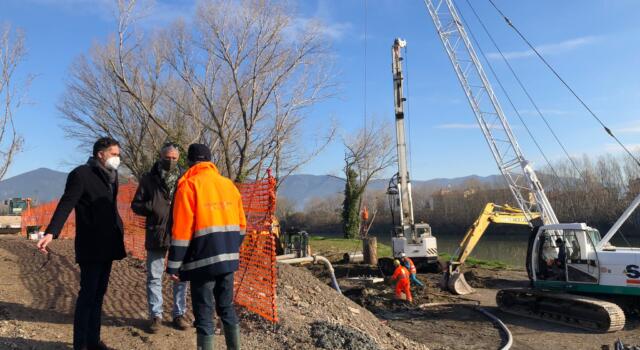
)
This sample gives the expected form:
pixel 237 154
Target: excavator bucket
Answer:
pixel 457 284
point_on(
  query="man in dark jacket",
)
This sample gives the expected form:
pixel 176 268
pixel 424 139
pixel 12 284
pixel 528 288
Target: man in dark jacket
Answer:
pixel 91 190
pixel 153 201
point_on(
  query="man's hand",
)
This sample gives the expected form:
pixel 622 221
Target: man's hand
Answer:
pixel 44 242
pixel 174 278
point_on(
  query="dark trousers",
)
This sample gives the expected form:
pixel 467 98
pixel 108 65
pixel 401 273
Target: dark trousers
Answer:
pixel 203 296
pixel 94 278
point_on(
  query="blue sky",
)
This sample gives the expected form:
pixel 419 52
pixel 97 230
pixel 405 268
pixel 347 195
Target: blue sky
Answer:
pixel 593 44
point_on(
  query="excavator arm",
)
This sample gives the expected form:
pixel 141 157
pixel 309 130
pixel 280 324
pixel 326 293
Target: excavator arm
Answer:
pixel 453 279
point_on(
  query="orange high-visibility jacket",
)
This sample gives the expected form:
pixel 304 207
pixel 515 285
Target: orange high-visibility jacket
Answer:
pixel 400 273
pixel 408 263
pixel 208 225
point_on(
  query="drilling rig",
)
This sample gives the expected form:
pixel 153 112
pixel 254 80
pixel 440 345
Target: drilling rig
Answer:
pixel 408 237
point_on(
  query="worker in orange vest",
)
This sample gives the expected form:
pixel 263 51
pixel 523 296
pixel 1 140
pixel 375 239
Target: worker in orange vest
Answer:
pixel 401 274
pixel 408 263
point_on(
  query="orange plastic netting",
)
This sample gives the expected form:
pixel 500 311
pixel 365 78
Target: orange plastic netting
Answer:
pixel 255 281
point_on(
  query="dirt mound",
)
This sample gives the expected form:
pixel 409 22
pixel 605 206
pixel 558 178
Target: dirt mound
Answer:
pixel 303 300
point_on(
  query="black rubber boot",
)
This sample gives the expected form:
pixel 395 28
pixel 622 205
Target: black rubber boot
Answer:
pixel 204 342
pixel 232 336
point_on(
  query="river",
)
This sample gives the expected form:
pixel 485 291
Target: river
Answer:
pixel 508 248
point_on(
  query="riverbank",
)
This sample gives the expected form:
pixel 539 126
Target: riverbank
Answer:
pixel 334 248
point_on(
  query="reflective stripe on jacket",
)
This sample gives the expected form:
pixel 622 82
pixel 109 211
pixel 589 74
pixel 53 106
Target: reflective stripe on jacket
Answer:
pixel 208 225
pixel 400 273
pixel 408 263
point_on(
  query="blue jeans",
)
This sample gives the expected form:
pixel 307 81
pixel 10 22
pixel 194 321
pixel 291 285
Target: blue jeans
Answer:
pixel 94 279
pixel 203 296
pixel 415 280
pixel 155 269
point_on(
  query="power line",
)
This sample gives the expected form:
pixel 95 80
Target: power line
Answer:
pixel 593 114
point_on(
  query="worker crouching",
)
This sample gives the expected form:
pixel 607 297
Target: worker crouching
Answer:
pixel 401 275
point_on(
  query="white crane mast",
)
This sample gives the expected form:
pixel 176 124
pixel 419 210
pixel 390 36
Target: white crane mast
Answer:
pixel 520 176
pixel 404 184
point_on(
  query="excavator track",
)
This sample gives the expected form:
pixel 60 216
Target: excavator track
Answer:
pixel 567 309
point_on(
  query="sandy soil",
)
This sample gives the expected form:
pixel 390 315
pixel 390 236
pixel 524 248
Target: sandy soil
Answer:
pixel 37 300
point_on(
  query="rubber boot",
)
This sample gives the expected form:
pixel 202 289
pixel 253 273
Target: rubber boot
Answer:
pixel 204 342
pixel 232 336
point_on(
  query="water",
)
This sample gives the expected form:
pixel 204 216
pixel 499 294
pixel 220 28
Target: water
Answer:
pixel 510 250
pixel 508 247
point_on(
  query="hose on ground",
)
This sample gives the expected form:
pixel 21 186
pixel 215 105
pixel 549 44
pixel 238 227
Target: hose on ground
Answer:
pixel 476 306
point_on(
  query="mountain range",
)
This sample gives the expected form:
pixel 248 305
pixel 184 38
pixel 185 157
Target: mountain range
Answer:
pixel 44 185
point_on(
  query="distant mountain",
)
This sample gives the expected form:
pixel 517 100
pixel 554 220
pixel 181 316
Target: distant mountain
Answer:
pixel 299 189
pixel 42 185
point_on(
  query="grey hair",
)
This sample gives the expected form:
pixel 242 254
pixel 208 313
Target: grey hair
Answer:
pixel 168 148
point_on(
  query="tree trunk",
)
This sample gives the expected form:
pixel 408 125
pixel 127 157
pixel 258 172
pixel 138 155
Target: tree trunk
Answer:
pixel 370 250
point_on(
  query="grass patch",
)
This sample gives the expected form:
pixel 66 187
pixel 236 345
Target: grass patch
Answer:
pixel 336 246
pixel 489 264
pixel 339 246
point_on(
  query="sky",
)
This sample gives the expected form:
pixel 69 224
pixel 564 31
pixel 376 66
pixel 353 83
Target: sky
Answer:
pixel 592 44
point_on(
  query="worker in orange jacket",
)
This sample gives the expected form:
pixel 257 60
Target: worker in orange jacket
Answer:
pixel 401 274
pixel 408 263
pixel 208 228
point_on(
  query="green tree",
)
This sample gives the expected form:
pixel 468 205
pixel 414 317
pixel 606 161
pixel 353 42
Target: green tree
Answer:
pixel 351 204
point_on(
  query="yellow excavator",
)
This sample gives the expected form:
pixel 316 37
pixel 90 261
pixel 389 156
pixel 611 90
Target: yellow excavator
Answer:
pixel 453 279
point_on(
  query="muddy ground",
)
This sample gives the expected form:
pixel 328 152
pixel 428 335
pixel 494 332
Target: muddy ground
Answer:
pixel 462 327
pixel 37 298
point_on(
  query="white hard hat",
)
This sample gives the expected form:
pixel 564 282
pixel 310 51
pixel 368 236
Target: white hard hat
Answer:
pixel 403 255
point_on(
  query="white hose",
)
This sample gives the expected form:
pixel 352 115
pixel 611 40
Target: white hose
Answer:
pixel 315 259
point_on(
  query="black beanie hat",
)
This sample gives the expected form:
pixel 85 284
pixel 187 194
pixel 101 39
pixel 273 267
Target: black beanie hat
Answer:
pixel 198 153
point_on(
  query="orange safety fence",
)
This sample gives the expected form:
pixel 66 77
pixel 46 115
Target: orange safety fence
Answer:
pixel 255 281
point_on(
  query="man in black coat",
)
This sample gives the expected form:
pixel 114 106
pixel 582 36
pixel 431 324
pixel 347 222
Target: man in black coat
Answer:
pixel 91 190
pixel 153 201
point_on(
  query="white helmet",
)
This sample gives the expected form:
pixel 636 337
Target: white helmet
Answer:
pixel 403 255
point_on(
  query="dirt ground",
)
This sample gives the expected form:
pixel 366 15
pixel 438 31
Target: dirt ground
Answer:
pixel 37 298
pixel 460 327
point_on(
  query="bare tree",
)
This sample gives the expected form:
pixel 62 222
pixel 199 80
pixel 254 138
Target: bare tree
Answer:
pixel 252 77
pixel 367 154
pixel 12 53
pixel 241 84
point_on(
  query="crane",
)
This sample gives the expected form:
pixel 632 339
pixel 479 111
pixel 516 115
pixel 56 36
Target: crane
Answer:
pixel 408 237
pixel 564 259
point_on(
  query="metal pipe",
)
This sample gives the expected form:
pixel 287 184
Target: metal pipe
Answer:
pixel 315 259
pixel 619 223
pixel 353 257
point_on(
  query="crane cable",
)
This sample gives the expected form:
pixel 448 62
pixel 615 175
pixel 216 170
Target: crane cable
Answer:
pixel 495 76
pixel 546 63
pixel 562 183
pixel 526 92
pixel 408 114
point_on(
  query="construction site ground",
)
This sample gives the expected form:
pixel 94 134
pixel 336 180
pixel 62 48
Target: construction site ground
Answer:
pixel 37 296
pixel 443 326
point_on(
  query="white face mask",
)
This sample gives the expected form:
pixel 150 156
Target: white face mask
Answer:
pixel 112 163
